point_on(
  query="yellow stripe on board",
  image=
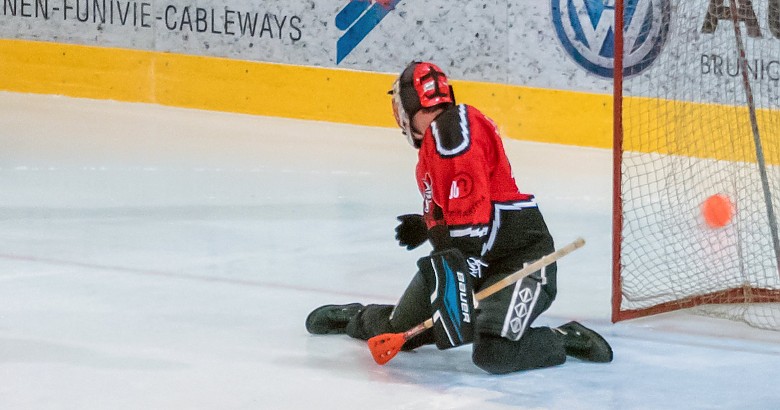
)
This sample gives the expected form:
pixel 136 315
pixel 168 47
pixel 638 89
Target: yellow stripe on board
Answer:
pixel 543 115
pixel 76 71
pixel 336 95
pixel 683 128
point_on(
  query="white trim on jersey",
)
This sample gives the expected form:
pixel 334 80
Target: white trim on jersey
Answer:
pixel 531 203
pixel 464 123
pixel 472 231
pixel 464 130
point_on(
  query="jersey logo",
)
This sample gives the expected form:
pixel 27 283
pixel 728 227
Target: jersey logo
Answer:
pixel 461 187
pixel 454 190
pixel 427 193
pixel 475 266
pixel 586 30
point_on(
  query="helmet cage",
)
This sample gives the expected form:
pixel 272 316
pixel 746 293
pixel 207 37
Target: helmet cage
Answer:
pixel 399 112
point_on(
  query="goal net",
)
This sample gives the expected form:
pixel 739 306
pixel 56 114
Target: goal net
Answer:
pixel 697 113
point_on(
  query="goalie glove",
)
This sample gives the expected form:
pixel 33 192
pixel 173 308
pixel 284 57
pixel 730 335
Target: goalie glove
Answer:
pixel 412 231
pixel 452 302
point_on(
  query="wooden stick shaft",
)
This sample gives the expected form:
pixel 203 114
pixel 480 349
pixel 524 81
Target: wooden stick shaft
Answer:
pixel 578 243
pixel 418 329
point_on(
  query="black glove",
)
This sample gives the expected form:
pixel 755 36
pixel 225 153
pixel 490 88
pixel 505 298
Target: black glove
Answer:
pixel 412 231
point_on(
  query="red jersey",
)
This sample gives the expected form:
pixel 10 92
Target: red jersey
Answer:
pixel 463 170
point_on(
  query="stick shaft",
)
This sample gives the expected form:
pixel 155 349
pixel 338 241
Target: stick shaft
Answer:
pixel 418 329
pixel 539 264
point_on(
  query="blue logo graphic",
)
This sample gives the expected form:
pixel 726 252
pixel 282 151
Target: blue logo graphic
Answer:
pixel 451 302
pixel 586 30
pixel 358 18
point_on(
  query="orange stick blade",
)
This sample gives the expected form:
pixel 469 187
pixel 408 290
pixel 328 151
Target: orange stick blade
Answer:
pixel 385 347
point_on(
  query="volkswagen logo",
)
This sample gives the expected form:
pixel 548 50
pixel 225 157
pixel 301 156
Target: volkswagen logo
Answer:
pixel 586 30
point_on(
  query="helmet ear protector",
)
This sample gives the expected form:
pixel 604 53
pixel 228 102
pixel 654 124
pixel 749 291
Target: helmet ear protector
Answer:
pixel 420 85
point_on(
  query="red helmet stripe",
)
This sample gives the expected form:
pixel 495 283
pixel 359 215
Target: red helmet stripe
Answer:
pixel 431 85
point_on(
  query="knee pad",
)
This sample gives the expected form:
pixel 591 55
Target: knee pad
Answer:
pixel 449 285
pixel 513 309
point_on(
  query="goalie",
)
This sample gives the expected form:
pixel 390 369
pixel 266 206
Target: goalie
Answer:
pixel 482 229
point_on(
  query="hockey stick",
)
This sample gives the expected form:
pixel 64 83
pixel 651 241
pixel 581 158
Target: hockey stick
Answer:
pixel 385 346
pixel 770 212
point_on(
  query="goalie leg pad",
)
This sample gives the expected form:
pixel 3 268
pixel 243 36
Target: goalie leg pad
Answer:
pixel 512 310
pixel 452 297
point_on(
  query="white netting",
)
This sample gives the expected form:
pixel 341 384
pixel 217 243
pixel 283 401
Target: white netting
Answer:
pixel 688 134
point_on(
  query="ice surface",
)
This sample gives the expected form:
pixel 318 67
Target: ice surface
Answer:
pixel 162 258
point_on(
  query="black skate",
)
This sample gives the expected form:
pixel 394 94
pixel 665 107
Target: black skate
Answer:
pixel 331 319
pixel 584 344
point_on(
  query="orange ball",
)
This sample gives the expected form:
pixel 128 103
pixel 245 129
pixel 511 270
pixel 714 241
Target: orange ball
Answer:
pixel 717 210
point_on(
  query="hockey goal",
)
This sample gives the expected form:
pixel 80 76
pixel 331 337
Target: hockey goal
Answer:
pixel 697 113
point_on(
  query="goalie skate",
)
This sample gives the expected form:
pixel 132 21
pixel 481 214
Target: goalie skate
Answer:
pixel 331 319
pixel 584 344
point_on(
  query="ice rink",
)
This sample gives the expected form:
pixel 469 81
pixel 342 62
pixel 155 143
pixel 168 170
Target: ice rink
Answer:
pixel 162 258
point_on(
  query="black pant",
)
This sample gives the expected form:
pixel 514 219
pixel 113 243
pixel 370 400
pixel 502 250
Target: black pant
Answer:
pixel 413 308
pixel 504 339
pixel 492 351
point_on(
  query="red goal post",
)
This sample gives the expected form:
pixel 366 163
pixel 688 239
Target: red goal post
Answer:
pixel 696 113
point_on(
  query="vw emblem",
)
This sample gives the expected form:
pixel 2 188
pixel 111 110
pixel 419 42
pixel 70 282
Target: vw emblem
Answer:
pixel 586 30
